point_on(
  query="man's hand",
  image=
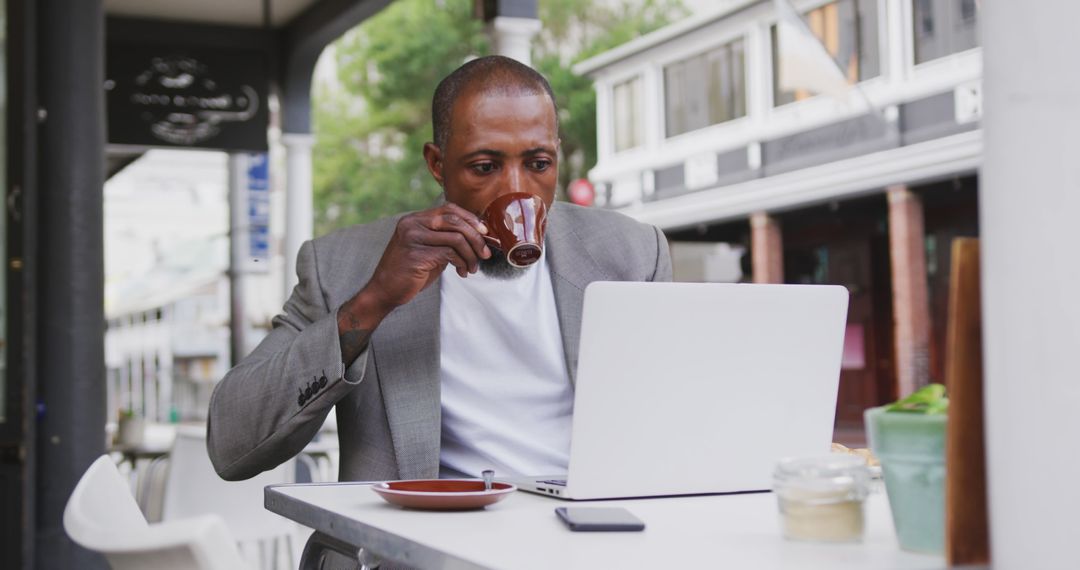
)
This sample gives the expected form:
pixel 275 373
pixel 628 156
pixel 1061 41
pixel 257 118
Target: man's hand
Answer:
pixel 423 244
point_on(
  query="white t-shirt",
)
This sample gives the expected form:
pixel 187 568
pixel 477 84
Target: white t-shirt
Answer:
pixel 507 400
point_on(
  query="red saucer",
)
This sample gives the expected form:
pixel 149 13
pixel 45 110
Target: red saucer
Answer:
pixel 442 494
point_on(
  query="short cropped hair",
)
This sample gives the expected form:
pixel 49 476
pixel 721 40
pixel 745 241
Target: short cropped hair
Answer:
pixel 493 74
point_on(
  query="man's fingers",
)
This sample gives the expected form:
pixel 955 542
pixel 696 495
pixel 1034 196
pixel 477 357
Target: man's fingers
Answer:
pixel 473 220
pixel 459 219
pixel 454 224
pixel 445 235
pixel 457 243
pixel 447 255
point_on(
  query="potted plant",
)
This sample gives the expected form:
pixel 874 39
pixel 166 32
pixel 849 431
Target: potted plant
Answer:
pixel 130 428
pixel 908 437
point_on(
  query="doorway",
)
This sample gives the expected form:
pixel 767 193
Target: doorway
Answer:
pixel 846 243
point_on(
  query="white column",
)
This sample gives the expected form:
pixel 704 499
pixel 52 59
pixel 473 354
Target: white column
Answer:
pixel 238 243
pixel 896 43
pixel 605 111
pixel 299 216
pixel 512 37
pixel 652 91
pixel 1028 206
pixel 757 62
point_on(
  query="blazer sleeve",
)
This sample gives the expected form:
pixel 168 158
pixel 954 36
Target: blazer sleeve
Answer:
pixel 662 270
pixel 274 401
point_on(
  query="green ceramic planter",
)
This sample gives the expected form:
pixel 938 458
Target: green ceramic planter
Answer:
pixel 911 448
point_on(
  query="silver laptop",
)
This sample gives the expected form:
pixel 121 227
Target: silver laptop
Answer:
pixel 687 388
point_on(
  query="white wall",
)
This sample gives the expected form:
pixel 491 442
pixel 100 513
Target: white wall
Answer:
pixel 1029 207
pixel 164 200
pixel 706 262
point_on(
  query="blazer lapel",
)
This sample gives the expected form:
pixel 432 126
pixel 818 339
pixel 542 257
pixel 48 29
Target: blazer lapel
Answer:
pixel 406 351
pixel 572 268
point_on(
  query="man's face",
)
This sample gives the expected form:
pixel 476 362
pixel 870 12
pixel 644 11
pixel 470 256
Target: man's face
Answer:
pixel 498 144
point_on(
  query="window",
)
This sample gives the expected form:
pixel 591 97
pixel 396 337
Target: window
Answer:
pixel 944 27
pixel 627 104
pixel 849 31
pixel 705 90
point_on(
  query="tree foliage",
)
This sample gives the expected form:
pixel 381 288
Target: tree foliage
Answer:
pixel 371 125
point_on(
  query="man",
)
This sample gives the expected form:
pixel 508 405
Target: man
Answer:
pixel 440 357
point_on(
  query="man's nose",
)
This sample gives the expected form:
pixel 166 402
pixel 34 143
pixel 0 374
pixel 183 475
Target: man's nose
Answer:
pixel 513 181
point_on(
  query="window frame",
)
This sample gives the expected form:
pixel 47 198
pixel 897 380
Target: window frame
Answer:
pixel 910 42
pixel 639 76
pixel 691 51
pixel 883 48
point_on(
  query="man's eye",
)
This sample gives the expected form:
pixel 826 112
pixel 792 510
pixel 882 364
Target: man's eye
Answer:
pixel 483 167
pixel 539 165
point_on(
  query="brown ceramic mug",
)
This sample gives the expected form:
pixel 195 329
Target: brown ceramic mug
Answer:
pixel 516 223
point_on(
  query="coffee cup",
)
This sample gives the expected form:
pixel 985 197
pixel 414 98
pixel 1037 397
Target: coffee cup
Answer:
pixel 516 223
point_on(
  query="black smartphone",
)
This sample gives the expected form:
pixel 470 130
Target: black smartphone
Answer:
pixel 599 519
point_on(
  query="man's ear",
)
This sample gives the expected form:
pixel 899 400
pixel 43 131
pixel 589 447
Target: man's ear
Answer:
pixel 434 159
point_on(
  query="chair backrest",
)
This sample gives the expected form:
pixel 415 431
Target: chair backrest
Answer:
pixel 967 531
pixel 194 488
pixel 101 515
pixel 150 488
pixel 102 506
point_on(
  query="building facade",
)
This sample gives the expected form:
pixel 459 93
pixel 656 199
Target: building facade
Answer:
pixel 865 189
pixel 168 298
pixel 162 362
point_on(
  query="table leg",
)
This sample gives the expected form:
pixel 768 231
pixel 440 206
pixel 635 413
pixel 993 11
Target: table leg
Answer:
pixel 320 544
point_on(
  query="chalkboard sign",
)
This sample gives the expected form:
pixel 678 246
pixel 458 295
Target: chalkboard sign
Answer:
pixel 186 98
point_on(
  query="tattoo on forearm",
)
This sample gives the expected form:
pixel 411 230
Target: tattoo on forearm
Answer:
pixel 353 338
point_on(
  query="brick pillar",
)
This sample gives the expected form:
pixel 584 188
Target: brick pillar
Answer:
pixel 766 248
pixel 911 307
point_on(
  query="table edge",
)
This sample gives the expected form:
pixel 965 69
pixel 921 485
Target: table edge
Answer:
pixel 380 542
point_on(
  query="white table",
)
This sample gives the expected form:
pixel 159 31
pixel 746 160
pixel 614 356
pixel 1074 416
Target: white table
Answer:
pixel 522 532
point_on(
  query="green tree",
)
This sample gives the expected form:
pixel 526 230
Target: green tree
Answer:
pixel 370 129
pixel 575 30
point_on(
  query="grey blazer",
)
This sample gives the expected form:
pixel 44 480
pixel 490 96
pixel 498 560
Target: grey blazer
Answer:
pixel 388 400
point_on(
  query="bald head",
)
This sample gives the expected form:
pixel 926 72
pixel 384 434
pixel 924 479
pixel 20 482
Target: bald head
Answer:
pixel 495 75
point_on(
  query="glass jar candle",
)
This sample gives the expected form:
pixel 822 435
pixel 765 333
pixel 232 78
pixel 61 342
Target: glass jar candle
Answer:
pixel 821 498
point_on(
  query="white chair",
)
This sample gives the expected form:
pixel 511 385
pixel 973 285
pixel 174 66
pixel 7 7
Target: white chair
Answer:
pixel 102 516
pixel 193 488
pixel 150 487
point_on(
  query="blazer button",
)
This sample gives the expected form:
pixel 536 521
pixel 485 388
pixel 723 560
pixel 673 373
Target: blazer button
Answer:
pixel 300 401
pixel 322 381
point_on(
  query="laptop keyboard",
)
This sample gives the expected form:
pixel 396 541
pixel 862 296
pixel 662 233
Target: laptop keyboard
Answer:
pixel 559 482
